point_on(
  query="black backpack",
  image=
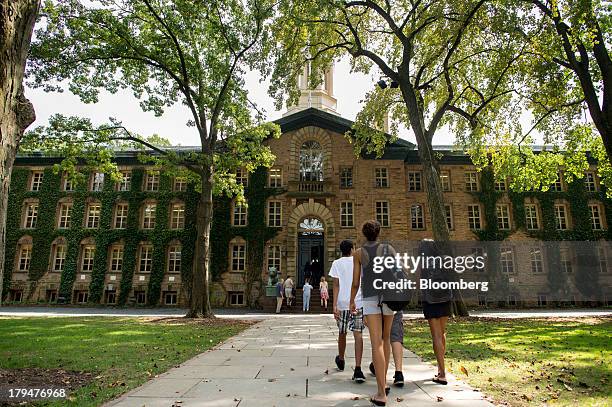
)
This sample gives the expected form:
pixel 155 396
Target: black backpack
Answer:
pixel 398 299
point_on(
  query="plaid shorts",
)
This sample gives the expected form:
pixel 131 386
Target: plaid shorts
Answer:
pixel 351 322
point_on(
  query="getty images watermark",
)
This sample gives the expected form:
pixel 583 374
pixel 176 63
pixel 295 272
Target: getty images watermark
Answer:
pixel 566 271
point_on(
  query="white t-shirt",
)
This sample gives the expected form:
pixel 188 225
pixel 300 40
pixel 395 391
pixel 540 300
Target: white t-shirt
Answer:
pixel 342 269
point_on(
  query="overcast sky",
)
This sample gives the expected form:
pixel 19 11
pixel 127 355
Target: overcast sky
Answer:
pixel 349 89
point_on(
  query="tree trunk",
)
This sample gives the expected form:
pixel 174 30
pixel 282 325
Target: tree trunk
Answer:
pixel 199 303
pixel 435 197
pixel 17 18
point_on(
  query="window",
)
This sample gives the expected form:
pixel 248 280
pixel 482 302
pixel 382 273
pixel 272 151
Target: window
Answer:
pixel 82 297
pixel 346 177
pixel 601 257
pixel 532 221
pixel 274 214
pixel 67 184
pixel 126 181
pixel 506 259
pixel 566 260
pixel 238 257
pixel 152 181
pixel 542 300
pixel 240 215
pixel 596 216
pixel 417 220
pixel 59 257
pixel 148 216
pixel 449 216
pixel 145 262
pixel 116 259
pixel 97 182
pixel 311 161
pixel 557 186
pixel 274 257
pixel 382 213
pixel 535 258
pixel 561 216
pixel 236 298
pixel 242 177
pixel 381 177
pixel 25 257
pixel 276 178
pixel 474 216
pixel 180 184
pixel 500 185
pixel 414 181
pixel 471 181
pixel 51 295
pixel 511 301
pixel 36 180
pixel 445 181
pixel 31 215
pixel 174 258
pixel 87 257
pixel 121 215
pixel 589 182
pixel 93 216
pixel 503 216
pixel 140 297
pixel 65 215
pixel 346 214
pixel 170 298
pixel 111 296
pixel 177 216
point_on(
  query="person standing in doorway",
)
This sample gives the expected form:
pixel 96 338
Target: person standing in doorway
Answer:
pixel 279 295
pixel 306 291
pixel 324 292
pixel 289 285
pixel 342 274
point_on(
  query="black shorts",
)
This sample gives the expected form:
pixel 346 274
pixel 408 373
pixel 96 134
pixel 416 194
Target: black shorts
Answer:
pixel 437 310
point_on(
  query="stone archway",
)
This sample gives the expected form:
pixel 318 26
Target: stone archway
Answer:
pixel 321 212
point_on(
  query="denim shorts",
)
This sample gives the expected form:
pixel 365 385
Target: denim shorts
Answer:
pixel 371 307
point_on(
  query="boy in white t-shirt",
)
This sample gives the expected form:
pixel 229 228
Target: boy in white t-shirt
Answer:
pixel 342 274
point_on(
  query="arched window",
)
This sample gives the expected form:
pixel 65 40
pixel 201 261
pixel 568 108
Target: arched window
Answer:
pixel 311 161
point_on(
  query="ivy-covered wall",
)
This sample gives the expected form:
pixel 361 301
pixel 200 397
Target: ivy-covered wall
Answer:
pixel 577 198
pixel 46 232
pixel 256 233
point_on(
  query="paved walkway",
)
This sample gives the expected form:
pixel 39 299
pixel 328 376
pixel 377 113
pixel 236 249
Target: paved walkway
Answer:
pixel 83 311
pixel 289 362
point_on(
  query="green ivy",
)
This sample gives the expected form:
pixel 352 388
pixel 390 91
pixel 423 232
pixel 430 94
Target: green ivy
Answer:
pixel 577 197
pixel 46 232
pixel 256 233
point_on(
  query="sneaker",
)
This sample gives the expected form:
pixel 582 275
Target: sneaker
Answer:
pixel 398 379
pixel 340 363
pixel 358 376
pixel 372 369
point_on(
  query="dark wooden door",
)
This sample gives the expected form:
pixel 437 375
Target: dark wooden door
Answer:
pixel 310 248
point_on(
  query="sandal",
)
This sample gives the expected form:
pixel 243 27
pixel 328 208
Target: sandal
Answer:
pixel 377 402
pixel 439 381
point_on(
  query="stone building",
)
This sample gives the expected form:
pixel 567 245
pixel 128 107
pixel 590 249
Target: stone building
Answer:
pixel 132 242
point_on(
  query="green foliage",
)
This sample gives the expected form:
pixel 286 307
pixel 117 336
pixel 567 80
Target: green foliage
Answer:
pixel 256 233
pixel 46 232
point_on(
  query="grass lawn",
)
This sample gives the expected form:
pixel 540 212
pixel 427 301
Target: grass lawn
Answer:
pixel 525 362
pixel 119 353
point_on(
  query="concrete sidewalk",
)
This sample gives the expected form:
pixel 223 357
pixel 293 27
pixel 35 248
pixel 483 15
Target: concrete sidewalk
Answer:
pixel 289 362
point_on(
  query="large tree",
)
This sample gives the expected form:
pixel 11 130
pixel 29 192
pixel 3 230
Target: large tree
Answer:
pixel 166 52
pixel 444 62
pixel 17 18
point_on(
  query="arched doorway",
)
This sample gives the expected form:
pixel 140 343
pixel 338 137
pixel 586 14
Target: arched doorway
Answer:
pixel 310 250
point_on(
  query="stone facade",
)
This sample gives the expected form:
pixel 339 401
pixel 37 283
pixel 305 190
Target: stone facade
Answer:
pixel 330 188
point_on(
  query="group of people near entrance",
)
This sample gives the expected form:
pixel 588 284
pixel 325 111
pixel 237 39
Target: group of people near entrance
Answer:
pixel 285 289
pixel 354 312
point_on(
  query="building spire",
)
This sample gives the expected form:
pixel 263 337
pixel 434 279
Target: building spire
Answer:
pixel 321 97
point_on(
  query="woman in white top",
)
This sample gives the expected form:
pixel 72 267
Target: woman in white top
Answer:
pixel 323 289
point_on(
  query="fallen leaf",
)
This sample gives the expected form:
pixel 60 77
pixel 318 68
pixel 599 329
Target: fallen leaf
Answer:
pixel 464 370
pixel 399 399
pixel 440 399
